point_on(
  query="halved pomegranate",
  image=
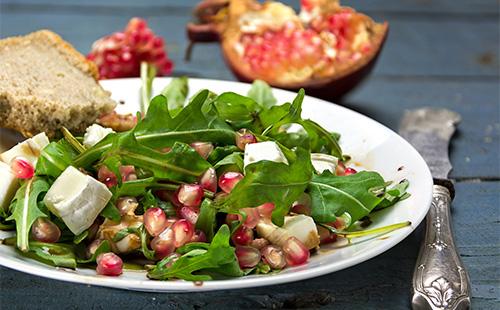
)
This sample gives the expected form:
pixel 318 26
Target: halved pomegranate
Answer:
pixel 326 49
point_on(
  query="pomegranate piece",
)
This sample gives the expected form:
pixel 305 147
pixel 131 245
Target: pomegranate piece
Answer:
pixel 106 176
pixel 190 195
pixel 121 53
pixel 228 180
pixel 266 210
pixel 325 236
pixel 230 218
pixel 244 137
pixel 203 148
pixel 295 252
pixel 189 214
pixel 199 236
pixel 183 232
pixel 164 243
pixel 109 264
pixel 242 236
pixel 273 256
pixel 248 257
pixel 252 217
pixel 44 230
pixel 22 168
pixel 326 49
pixel 155 221
pixel 301 209
pixel 209 180
pixel 349 171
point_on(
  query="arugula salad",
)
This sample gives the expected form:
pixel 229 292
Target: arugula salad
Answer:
pixel 208 187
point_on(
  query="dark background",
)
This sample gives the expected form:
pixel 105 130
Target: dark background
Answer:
pixel 439 53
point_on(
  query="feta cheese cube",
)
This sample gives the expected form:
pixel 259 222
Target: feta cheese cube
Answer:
pixel 29 149
pixel 94 134
pixel 8 185
pixel 77 199
pixel 303 228
pixel 267 150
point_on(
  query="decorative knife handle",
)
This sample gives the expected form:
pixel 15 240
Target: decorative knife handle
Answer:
pixel 440 280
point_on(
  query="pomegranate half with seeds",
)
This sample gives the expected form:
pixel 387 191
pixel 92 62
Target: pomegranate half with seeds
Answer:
pixel 326 49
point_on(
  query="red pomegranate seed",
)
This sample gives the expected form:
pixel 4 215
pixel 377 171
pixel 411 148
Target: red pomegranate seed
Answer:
pixel 190 195
pixel 248 257
pixel 228 180
pixel 164 243
pixel 199 236
pixel 242 236
pixel 301 209
pixel 244 137
pixel 325 236
pixel 183 232
pixel 266 210
pixel 106 176
pixel 230 218
pixel 155 221
pixel 189 214
pixel 349 171
pixel 126 205
pixel 44 230
pixel 295 252
pixel 252 217
pixel 128 173
pixel 203 148
pixel 209 180
pixel 273 256
pixel 339 223
pixel 109 264
pixel 22 168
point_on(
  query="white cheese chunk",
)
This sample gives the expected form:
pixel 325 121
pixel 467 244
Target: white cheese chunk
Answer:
pixel 8 185
pixel 94 134
pixel 267 150
pixel 29 149
pixel 77 199
pixel 303 228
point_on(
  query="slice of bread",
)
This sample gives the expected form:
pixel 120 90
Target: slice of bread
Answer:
pixel 46 84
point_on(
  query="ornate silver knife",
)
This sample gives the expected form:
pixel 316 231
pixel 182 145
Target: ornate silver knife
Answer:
pixel 440 280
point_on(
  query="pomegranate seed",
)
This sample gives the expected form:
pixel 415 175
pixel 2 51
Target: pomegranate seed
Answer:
pixel 259 243
pixel 183 232
pixel 190 195
pixel 340 169
pixel 252 217
pixel 248 257
pixel 301 209
pixel 44 230
pixel 126 205
pixel 128 173
pixel 230 218
pixel 155 221
pixel 22 168
pixel 242 236
pixel 164 243
pixel 106 176
pixel 349 171
pixel 244 137
pixel 203 148
pixel 266 210
pixel 325 236
pixel 109 264
pixel 199 236
pixel 189 214
pixel 295 252
pixel 209 180
pixel 273 256
pixel 339 223
pixel 228 180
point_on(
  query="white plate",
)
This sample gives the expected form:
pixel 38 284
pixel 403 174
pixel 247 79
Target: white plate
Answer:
pixel 370 143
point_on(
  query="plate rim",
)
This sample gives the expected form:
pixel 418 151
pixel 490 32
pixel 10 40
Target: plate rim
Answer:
pixel 296 274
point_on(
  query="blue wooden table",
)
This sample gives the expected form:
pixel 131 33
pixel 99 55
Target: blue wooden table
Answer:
pixel 439 53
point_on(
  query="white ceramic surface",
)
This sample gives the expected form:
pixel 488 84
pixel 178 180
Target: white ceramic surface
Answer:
pixel 371 144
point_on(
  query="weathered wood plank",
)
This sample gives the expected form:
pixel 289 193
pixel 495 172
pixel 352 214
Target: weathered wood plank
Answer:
pixel 381 283
pixel 422 47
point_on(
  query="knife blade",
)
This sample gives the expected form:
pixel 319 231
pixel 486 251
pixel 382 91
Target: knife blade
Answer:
pixel 440 280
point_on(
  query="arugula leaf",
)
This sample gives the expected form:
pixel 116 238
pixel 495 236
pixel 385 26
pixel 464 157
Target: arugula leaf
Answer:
pixel 111 212
pixel 176 93
pixel 25 209
pixel 394 195
pixel 143 234
pixel 237 110
pixel 182 163
pixel 331 144
pixel 267 181
pixel 55 158
pixel 220 152
pixel 207 219
pixel 55 254
pixel 333 195
pixel 189 266
pixel 104 247
pixel 234 160
pixel 262 93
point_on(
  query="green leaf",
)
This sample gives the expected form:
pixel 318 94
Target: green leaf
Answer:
pixel 182 163
pixel 104 247
pixel 55 158
pixel 176 93
pixel 262 93
pixel 237 110
pixel 189 266
pixel 55 254
pixel 207 219
pixel 148 73
pixel 79 238
pixel 234 161
pixel 394 195
pixel 125 232
pixel 328 139
pixel 25 209
pixel 267 181
pixel 111 212
pixel 148 253
pixel 220 152
pixel 333 195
